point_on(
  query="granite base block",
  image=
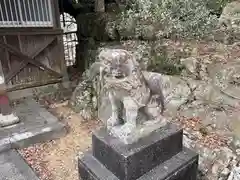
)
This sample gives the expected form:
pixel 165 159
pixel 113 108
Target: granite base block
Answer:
pixel 129 162
pixel 182 166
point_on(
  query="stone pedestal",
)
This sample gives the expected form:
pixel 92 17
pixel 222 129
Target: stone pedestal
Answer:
pixel 157 156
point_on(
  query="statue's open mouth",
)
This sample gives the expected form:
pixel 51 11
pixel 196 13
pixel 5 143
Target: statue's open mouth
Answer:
pixel 115 76
pixel 119 76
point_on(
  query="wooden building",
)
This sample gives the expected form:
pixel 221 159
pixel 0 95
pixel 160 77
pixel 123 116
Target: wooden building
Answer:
pixel 31 47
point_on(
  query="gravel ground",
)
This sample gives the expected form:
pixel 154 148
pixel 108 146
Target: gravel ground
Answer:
pixel 57 160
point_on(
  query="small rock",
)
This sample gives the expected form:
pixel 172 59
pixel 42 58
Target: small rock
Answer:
pixel 190 63
pixel 197 134
pixel 235 174
pixel 233 163
pixel 225 172
pixel 209 129
pixel 187 141
pixel 238 152
pixel 236 142
pixel 215 168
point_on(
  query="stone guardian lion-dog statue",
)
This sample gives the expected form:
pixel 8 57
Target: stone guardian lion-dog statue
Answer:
pixel 129 91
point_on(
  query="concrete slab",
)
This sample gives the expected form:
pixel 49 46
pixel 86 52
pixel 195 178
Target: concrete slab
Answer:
pixel 36 125
pixel 13 167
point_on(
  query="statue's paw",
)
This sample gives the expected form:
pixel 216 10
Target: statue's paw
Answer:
pixel 162 120
pixel 154 100
pixel 129 128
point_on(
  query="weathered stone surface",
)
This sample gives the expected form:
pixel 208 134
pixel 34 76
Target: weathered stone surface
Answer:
pixel 227 79
pixel 230 15
pixel 176 93
pixel 8 120
pixel 141 131
pixel 132 161
pixel 235 174
pixel 196 67
pixel 209 114
pixel 82 100
pixel 214 163
pixel 182 166
pixel 229 24
pixel 37 125
pixel 12 166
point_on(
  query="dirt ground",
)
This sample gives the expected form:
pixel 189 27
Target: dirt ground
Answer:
pixel 57 159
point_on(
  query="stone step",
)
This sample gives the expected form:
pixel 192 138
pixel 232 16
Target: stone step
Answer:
pixel 13 167
pixel 182 166
pixel 133 160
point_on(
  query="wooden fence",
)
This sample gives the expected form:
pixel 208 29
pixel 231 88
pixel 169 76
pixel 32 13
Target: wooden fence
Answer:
pixel 30 60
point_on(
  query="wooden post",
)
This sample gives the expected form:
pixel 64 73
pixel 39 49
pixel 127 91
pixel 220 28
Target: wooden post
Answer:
pixel 99 5
pixel 6 116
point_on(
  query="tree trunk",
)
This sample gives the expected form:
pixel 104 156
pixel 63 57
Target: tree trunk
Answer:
pixel 99 6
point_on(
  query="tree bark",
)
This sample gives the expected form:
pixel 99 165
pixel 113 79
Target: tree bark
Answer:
pixel 69 7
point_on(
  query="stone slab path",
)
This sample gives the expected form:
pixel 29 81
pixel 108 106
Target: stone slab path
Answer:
pixel 36 125
pixel 13 167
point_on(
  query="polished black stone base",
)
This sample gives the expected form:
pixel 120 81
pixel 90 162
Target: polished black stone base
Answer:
pixel 182 166
pixel 134 160
pixel 158 156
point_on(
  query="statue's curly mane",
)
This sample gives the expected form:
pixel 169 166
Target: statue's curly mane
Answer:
pixel 134 83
